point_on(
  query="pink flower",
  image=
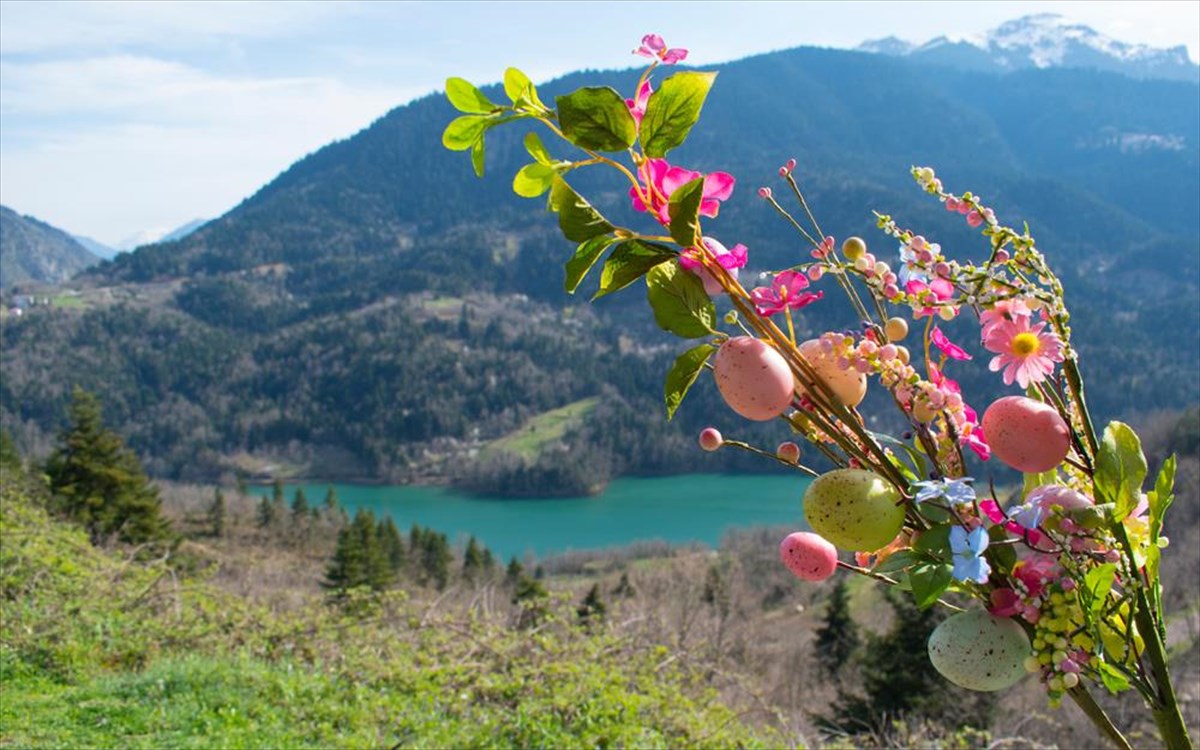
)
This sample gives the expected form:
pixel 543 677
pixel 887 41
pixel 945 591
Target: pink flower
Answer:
pixel 637 106
pixel 1026 353
pixel 654 46
pixel 731 260
pixel 660 180
pixel 1008 309
pixel 951 350
pixel 1006 603
pixel 786 292
pixel 929 294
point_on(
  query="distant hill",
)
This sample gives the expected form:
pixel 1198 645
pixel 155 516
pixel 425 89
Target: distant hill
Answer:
pixel 375 312
pixel 1045 40
pixel 97 248
pixel 153 236
pixel 31 250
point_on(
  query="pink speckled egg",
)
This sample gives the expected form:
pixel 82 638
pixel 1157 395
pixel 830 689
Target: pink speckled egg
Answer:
pixel 850 386
pixel 753 378
pixel 808 555
pixel 1028 435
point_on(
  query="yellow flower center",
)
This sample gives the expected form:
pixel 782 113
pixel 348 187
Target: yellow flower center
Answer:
pixel 1024 344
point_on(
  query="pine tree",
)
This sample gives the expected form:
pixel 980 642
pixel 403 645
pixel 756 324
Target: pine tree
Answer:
pixel 391 545
pixel 358 558
pixel 331 508
pixel 837 638
pixel 514 572
pixel 592 609
pixel 278 503
pixel 472 567
pixel 489 563
pixel 216 514
pixel 624 588
pixel 299 506
pixel 99 482
pixel 530 597
pixel 266 513
pixel 436 558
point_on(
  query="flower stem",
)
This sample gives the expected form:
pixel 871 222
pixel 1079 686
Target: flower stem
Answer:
pixel 1088 704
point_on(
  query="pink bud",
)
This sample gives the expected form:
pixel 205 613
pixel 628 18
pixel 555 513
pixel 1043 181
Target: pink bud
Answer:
pixel 1001 256
pixel 791 164
pixel 942 269
pixel 816 272
pixel 1068 584
pixel 888 352
pixel 891 291
pixel 789 452
pixel 783 171
pixel 974 219
pixel 710 439
pixel 764 192
pixel 951 204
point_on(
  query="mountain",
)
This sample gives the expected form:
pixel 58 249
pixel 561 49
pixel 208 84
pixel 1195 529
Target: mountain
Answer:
pixel 377 313
pixel 158 236
pixel 31 250
pixel 1045 40
pixel 97 248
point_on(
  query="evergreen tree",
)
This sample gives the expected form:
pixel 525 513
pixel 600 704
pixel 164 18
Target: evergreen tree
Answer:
pixel 514 572
pixel 624 588
pixel 472 568
pixel 10 459
pixel 358 558
pixel 242 489
pixel 837 638
pixel 266 513
pixel 278 503
pixel 436 558
pixel 530 597
pixel 489 563
pixel 299 506
pixel 592 609
pixel 391 545
pixel 99 482
pixel 331 507
pixel 216 514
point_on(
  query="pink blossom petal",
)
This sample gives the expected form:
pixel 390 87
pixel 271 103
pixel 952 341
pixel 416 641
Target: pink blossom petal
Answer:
pixel 950 349
pixel 654 44
pixel 1005 603
pixel 991 509
pixel 718 186
pixel 674 55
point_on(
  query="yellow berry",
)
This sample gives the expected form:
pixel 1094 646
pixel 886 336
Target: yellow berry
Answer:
pixel 902 353
pixel 854 248
pixel 1044 658
pixel 1070 680
pixel 896 329
pixel 1031 664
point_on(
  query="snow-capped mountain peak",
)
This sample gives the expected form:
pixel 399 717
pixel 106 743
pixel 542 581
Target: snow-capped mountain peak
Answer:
pixel 1046 40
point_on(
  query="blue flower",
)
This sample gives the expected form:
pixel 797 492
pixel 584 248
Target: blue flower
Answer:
pixel 956 491
pixel 910 269
pixel 969 563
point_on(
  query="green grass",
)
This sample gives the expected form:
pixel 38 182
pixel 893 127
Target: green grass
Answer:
pixel 99 650
pixel 545 428
pixel 68 300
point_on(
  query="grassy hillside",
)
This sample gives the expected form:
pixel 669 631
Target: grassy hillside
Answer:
pixel 101 649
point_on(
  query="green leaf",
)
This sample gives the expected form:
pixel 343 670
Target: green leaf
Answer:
pixel 673 110
pixel 577 219
pixel 532 180
pixel 596 118
pixel 1162 496
pixel 462 132
pixel 934 541
pixel 1112 678
pixel 918 470
pixel 477 157
pixel 928 583
pixel 466 98
pixel 534 146
pixel 1096 584
pixel 1033 481
pixel 520 89
pixel 1004 555
pixel 586 256
pixel 1120 469
pixel 685 212
pixel 896 562
pixel 679 301
pixel 628 263
pixel 683 373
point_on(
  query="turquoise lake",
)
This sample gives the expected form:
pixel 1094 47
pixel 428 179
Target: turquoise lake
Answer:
pixel 679 509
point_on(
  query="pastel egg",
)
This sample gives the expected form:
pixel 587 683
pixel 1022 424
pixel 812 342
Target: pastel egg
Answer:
pixel 1028 435
pixel 850 386
pixel 857 510
pixel 753 378
pixel 979 651
pixel 808 556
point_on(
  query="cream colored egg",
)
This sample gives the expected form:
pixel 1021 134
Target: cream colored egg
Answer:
pixel 850 386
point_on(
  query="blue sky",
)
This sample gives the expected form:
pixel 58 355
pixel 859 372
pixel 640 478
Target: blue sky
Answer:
pixel 122 117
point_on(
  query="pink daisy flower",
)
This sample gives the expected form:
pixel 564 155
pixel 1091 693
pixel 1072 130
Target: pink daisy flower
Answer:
pixel 1026 353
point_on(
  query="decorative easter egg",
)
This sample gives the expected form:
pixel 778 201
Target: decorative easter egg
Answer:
pixel 979 651
pixel 857 510
pixel 895 329
pixel 710 439
pixel 753 378
pixel 854 248
pixel 809 556
pixel 1028 435
pixel 850 386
